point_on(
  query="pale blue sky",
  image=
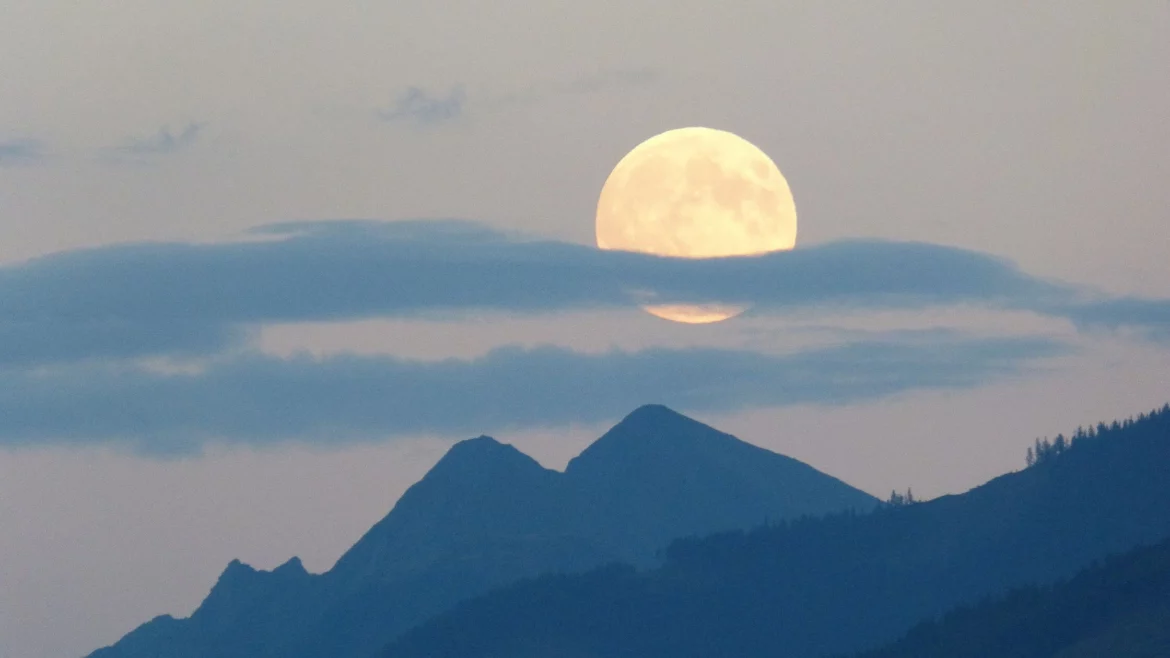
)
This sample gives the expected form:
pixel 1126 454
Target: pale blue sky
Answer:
pixel 981 258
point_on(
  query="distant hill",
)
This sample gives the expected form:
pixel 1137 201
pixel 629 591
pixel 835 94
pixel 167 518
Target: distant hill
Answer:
pixel 1118 609
pixel 838 584
pixel 487 515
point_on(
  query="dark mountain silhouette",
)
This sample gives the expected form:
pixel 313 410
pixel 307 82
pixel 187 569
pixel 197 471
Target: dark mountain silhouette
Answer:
pixel 841 583
pixel 480 493
pixel 1119 609
pixel 487 515
pixel 686 479
pixel 243 610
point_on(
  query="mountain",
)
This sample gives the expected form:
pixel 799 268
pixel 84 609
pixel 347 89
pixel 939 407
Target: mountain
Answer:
pixel 480 493
pixel 687 479
pixel 487 515
pixel 841 583
pixel 1118 609
pixel 243 610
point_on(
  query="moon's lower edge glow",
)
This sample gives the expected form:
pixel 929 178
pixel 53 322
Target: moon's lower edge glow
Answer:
pixel 695 313
pixel 696 193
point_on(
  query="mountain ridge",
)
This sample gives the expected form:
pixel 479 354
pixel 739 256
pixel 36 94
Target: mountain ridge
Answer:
pixel 838 583
pixel 486 515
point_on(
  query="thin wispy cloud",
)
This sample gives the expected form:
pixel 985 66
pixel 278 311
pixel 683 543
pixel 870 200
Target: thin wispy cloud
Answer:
pixel 614 79
pixel 258 399
pixel 589 83
pixel 418 106
pixel 164 142
pixel 20 152
pixel 422 107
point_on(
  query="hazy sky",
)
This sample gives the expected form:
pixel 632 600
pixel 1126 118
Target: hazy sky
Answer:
pixel 263 380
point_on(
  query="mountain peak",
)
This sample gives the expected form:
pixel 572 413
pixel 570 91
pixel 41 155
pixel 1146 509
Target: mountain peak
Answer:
pixel 657 420
pixel 653 413
pixel 292 567
pixel 482 444
pixel 648 431
pixel 481 488
pixel 239 575
pixel 479 458
pixel 236 570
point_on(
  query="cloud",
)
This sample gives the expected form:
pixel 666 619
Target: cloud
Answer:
pixel 421 107
pixel 416 105
pixel 618 78
pixel 34 343
pixel 16 152
pixel 163 142
pixel 584 84
pixel 1149 316
pixel 75 327
pixel 152 299
pixel 257 399
pixel 352 270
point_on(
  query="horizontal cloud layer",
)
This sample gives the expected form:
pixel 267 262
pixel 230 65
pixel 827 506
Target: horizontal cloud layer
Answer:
pixel 1151 316
pixel 341 270
pixel 43 341
pixel 253 398
pixel 166 298
pixel 75 326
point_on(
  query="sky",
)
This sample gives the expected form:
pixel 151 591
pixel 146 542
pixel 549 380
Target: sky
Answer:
pixel 262 263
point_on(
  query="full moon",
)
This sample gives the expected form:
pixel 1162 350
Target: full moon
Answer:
pixel 696 193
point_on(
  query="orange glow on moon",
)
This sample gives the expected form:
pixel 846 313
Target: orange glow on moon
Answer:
pixel 696 193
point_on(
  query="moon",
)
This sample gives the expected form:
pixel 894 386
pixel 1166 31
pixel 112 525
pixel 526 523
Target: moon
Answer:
pixel 696 193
